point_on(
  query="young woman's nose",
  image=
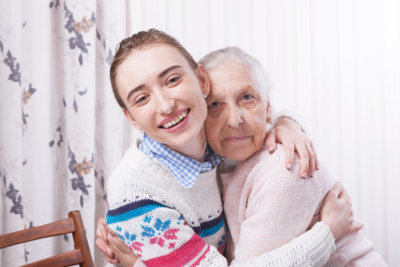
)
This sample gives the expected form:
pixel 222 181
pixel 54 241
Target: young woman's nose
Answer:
pixel 166 104
pixel 234 116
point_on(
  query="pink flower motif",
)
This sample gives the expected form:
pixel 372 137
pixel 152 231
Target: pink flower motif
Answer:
pixel 171 245
pixel 170 234
pixel 136 246
pixel 157 240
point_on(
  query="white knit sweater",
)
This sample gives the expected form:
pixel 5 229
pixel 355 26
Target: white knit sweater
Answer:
pixel 165 224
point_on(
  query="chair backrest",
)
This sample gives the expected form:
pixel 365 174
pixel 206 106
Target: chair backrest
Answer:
pixel 80 255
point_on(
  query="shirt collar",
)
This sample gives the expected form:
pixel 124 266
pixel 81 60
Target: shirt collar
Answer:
pixel 185 169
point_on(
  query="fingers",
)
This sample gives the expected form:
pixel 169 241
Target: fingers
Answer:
pixel 115 241
pixel 304 161
pixel 111 232
pixel 344 195
pixel 102 242
pixel 337 190
pixel 289 151
pixel 112 241
pixel 98 231
pixel 270 141
pixel 122 252
pixel 105 249
pixel 311 165
pixel 315 156
pixel 357 226
pixel 101 231
pixel 117 245
pixel 112 261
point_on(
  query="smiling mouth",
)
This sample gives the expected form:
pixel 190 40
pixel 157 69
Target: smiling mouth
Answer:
pixel 175 121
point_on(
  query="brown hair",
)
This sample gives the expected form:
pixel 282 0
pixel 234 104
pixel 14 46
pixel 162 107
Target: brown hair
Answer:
pixel 137 41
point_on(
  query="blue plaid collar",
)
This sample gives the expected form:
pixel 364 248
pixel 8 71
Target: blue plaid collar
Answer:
pixel 185 170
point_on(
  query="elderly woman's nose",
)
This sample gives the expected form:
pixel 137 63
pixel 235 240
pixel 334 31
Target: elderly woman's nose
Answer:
pixel 234 116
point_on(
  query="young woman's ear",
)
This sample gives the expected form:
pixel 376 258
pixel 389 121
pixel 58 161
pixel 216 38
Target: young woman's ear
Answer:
pixel 205 82
pixel 131 119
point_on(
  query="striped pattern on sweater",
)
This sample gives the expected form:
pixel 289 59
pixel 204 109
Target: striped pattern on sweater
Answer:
pixel 147 206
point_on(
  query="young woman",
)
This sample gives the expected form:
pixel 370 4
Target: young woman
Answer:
pixel 164 197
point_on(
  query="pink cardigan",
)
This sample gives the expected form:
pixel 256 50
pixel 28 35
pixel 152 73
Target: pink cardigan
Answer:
pixel 267 206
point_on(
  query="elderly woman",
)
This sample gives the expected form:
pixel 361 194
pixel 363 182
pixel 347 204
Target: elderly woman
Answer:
pixel 265 205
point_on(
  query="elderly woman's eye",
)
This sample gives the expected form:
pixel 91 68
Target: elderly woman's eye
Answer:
pixel 247 97
pixel 213 105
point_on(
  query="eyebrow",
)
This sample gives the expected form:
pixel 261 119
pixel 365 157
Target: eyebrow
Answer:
pixel 221 97
pixel 161 75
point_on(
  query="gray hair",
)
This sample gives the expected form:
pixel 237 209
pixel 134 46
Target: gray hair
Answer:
pixel 232 53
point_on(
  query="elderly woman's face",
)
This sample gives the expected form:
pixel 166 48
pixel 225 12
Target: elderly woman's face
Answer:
pixel 237 112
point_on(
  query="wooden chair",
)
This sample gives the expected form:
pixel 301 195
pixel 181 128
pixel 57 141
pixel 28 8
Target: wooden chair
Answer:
pixel 80 255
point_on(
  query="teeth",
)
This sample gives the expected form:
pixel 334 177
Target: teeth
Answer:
pixel 175 121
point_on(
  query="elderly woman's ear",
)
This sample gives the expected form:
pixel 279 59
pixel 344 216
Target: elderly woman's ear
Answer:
pixel 269 115
pixel 204 80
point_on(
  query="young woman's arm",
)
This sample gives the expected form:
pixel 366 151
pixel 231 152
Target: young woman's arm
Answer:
pixel 289 133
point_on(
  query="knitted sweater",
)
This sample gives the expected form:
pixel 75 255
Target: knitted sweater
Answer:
pixel 267 206
pixel 165 224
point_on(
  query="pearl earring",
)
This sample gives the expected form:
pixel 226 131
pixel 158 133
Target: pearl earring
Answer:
pixel 205 96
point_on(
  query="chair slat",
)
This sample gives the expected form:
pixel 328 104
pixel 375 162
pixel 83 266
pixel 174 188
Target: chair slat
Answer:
pixel 52 229
pixel 80 238
pixel 69 258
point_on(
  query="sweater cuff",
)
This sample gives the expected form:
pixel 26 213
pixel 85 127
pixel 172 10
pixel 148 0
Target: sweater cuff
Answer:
pixel 320 243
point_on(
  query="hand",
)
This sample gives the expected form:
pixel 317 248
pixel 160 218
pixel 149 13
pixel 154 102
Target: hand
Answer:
pixel 121 251
pixel 102 242
pixel 288 133
pixel 337 212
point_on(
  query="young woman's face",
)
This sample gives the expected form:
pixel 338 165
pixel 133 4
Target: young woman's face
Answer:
pixel 163 94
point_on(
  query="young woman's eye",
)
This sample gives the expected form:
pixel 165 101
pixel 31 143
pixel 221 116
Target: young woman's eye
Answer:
pixel 173 80
pixel 247 97
pixel 141 99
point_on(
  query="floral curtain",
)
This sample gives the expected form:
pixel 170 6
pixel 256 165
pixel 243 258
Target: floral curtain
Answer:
pixel 61 132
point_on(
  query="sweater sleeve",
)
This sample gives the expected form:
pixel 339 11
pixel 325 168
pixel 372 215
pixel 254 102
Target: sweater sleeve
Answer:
pixel 311 249
pixel 159 236
pixel 277 206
